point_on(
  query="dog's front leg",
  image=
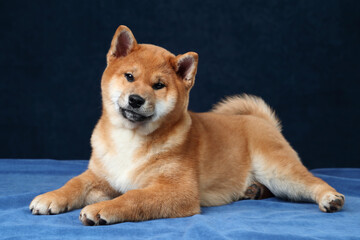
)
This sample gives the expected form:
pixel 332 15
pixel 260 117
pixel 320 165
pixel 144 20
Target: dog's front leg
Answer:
pixel 162 199
pixel 83 189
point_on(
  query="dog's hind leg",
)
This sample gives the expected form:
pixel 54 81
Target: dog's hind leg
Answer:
pixel 276 165
pixel 279 168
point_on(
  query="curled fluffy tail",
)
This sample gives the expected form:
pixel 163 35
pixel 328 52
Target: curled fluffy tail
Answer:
pixel 247 105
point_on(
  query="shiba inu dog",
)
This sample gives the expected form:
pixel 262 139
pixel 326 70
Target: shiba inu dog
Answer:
pixel 152 158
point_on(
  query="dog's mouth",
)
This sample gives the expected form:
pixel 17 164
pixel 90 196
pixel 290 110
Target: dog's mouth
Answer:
pixel 134 116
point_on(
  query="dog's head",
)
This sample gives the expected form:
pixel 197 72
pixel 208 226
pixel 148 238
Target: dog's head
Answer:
pixel 144 85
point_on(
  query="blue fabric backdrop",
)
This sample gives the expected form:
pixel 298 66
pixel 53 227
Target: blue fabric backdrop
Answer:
pixel 22 180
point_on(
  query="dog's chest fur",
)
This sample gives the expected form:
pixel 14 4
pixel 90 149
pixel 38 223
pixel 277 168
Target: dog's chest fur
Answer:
pixel 118 160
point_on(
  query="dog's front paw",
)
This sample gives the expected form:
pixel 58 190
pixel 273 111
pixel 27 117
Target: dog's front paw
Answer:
pixel 101 213
pixel 49 203
pixel 332 202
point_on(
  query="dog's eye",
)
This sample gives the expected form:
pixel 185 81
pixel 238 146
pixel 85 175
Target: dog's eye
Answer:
pixel 158 86
pixel 129 77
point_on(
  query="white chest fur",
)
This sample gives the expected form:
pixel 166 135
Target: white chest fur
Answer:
pixel 117 158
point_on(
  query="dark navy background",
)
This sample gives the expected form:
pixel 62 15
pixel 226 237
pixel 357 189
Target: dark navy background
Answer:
pixel 302 57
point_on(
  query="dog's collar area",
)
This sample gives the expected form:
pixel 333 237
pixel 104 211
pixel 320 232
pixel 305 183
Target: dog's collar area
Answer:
pixel 133 116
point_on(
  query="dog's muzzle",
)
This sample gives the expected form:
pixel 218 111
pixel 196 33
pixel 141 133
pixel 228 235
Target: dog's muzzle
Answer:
pixel 133 116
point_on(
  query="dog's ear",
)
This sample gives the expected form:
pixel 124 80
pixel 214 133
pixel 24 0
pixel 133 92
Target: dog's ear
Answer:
pixel 186 66
pixel 122 43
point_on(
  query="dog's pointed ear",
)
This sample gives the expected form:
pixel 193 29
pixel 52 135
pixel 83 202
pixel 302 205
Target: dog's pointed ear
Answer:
pixel 122 43
pixel 186 66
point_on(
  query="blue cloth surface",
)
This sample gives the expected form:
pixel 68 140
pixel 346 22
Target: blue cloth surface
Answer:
pixel 22 180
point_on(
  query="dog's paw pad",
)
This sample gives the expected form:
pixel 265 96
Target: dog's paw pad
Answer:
pixel 335 205
pixel 257 191
pixel 89 218
pixel 102 222
pixel 90 222
pixel 341 196
pixel 332 203
pixel 96 214
pixel 253 192
pixel 86 220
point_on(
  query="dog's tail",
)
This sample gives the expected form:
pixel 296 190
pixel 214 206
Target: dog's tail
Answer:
pixel 247 105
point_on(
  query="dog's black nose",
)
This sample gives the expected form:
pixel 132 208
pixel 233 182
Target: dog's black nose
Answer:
pixel 136 101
